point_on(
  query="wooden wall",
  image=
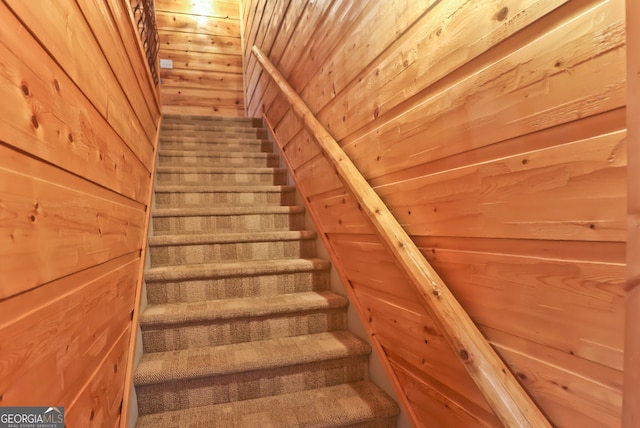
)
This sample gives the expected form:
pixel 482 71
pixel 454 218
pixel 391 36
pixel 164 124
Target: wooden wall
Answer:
pixel 78 128
pixel 202 38
pixel 495 132
pixel 631 405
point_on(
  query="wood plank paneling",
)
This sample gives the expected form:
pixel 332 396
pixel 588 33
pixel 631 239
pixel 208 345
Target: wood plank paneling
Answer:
pixel 225 9
pixel 91 226
pixel 203 41
pixel 184 62
pixel 199 43
pixel 189 79
pixel 82 58
pixel 97 405
pixel 44 115
pixel 85 315
pixel 210 25
pixel 78 135
pixel 631 406
pixel 210 99
pixel 495 131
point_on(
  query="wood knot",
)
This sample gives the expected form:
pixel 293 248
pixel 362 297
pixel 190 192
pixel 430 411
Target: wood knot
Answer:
pixel 464 355
pixel 502 14
pixel 522 376
pixel 376 112
pixel 25 89
pixel 56 84
pixel 34 122
pixel 70 138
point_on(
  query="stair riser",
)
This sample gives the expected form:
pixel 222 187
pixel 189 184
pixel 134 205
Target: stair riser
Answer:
pixel 197 290
pixel 195 159
pixel 230 252
pixel 203 145
pixel 223 178
pixel 222 199
pixel 248 385
pixel 226 332
pixel 212 134
pixel 228 223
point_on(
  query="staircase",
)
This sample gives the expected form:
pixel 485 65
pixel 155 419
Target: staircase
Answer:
pixel 242 328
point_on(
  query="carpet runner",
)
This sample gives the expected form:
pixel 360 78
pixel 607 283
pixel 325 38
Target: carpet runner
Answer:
pixel 242 328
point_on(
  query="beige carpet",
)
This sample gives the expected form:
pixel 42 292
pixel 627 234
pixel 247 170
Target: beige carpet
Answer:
pixel 242 328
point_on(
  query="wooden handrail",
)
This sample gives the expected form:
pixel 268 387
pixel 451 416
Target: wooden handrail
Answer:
pixel 505 395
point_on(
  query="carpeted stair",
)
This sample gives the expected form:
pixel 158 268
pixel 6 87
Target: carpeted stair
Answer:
pixel 242 328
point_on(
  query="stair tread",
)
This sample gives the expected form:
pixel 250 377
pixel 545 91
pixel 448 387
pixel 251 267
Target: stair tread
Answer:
pixel 187 117
pixel 218 153
pixel 333 406
pixel 259 267
pixel 217 238
pixel 161 367
pixel 233 211
pixel 243 146
pixel 219 135
pixel 256 306
pixel 174 188
pixel 220 169
pixel 211 127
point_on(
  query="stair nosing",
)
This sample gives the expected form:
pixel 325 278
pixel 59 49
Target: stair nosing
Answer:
pixel 254 307
pixel 222 154
pixel 227 211
pixel 221 169
pixel 176 239
pixel 176 188
pixel 234 269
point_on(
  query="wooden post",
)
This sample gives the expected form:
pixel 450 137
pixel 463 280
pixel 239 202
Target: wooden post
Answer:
pixel 502 391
